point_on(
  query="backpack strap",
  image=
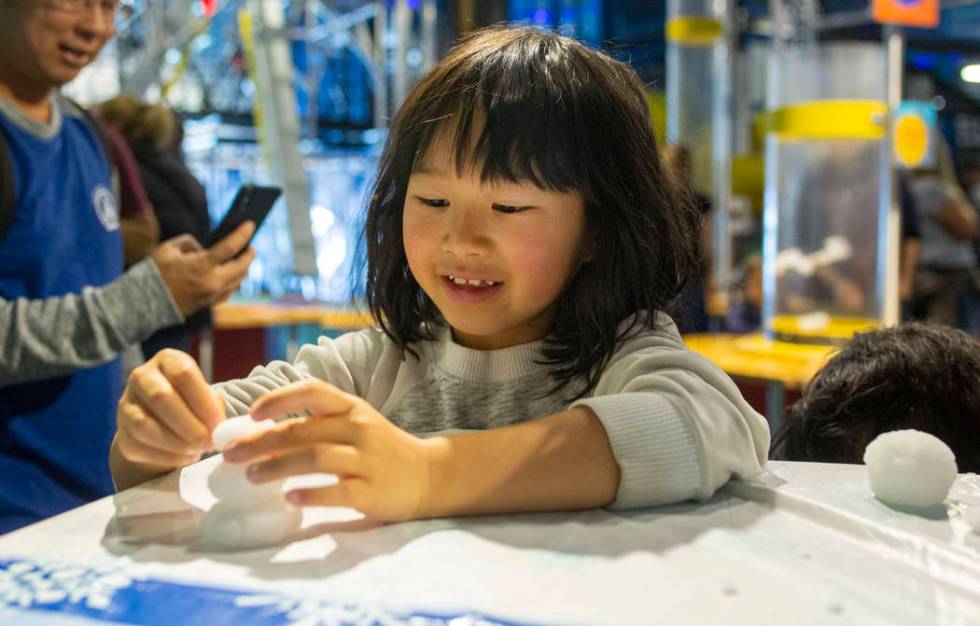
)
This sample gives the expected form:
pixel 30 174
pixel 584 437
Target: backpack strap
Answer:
pixel 8 198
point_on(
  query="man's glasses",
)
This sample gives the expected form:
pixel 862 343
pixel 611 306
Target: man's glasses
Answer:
pixel 109 7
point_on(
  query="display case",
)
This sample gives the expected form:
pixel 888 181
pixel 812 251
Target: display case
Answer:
pixel 828 188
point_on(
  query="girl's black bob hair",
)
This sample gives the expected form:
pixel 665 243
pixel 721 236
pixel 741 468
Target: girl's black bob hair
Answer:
pixel 525 105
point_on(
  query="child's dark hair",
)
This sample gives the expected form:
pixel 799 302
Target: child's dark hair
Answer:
pixel 921 376
pixel 544 109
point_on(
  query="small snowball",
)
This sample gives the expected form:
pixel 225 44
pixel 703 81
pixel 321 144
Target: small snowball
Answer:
pixel 909 468
pixel 235 428
pixel 230 526
pixel 247 515
pixel 227 481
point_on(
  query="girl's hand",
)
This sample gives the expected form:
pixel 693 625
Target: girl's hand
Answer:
pixel 384 472
pixel 166 414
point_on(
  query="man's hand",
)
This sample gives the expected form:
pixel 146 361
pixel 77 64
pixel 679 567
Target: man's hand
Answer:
pixel 384 471
pixel 166 414
pixel 198 278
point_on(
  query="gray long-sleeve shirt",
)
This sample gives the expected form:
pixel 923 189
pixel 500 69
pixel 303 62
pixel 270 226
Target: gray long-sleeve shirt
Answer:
pixel 53 336
pixel 677 424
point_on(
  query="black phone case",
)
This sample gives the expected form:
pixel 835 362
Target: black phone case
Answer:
pixel 252 202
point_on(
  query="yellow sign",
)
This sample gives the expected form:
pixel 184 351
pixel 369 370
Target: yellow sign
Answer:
pixel 911 140
pixel 913 146
pixel 829 119
pixel 694 30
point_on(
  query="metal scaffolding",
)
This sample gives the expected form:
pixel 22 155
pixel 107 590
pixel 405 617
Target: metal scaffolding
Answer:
pixel 243 59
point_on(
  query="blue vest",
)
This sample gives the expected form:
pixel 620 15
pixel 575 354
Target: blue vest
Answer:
pixel 55 434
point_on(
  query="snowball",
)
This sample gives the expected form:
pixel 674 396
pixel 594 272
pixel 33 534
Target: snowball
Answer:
pixel 232 526
pixel 227 481
pixel 235 428
pixel 909 468
pixel 247 515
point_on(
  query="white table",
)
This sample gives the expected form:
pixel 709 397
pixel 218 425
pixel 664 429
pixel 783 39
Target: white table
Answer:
pixel 806 545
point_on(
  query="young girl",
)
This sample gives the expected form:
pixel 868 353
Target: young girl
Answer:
pixel 522 242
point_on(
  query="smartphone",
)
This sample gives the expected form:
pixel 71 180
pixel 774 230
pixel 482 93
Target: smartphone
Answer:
pixel 252 202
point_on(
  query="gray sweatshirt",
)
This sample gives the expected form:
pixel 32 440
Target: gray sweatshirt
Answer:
pixel 677 424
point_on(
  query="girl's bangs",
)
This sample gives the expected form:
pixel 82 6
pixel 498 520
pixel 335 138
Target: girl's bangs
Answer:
pixel 513 131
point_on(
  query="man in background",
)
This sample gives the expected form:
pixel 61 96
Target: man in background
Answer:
pixel 66 308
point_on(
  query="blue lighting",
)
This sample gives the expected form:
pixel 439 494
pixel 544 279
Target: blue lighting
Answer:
pixel 541 16
pixel 922 61
pixel 413 4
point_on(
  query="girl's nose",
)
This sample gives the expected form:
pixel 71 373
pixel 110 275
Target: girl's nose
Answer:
pixel 465 233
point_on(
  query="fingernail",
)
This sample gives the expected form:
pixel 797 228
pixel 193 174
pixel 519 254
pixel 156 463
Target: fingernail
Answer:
pixel 254 472
pixel 232 453
pixel 295 497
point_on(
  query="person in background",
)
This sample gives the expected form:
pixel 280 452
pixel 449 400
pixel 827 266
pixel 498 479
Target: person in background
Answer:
pixel 523 239
pixel 66 308
pixel 970 177
pixel 138 225
pixel 178 199
pixel 943 287
pixel 691 310
pixel 908 247
pixel 920 376
pixel 745 311
pixel 971 183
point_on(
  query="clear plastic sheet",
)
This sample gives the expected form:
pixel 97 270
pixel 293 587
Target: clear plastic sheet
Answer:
pixel 805 544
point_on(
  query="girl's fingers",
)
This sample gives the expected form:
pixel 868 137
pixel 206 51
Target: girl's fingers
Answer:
pixel 313 396
pixel 161 400
pixel 139 452
pixel 186 377
pixel 289 436
pixel 350 492
pixel 338 459
pixel 147 431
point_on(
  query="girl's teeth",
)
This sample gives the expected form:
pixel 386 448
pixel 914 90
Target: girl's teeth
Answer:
pixel 462 282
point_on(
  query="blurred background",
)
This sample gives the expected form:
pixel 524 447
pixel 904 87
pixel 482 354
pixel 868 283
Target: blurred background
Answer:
pixel 812 133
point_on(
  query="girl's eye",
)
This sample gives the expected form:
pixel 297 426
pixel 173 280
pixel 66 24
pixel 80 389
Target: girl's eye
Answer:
pixel 433 202
pixel 506 208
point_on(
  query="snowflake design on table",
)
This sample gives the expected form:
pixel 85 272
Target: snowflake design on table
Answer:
pixel 113 595
pixel 325 612
pixel 26 584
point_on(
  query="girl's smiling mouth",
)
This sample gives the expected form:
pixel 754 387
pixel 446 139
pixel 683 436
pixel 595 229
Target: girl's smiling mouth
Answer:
pixel 469 290
pixel 472 282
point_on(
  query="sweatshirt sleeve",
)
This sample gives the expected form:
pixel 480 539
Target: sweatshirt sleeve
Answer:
pixel 49 337
pixel 677 424
pixel 346 362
